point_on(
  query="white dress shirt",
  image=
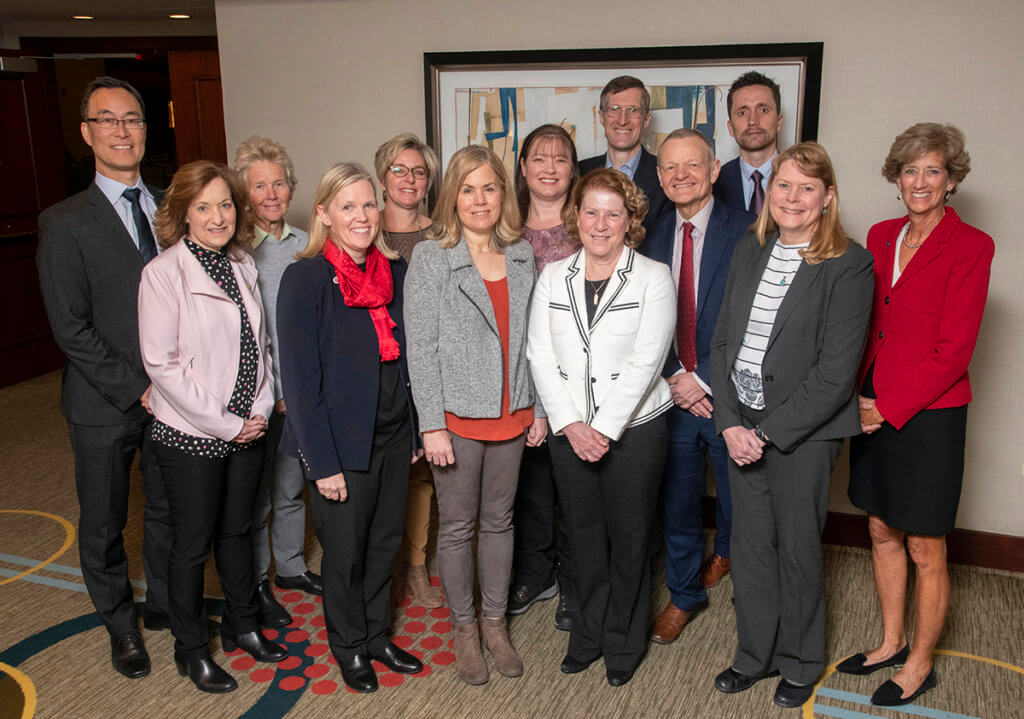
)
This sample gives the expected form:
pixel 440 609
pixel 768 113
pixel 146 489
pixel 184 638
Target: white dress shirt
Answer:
pixel 700 229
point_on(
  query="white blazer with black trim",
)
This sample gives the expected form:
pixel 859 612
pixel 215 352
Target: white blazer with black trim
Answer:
pixel 607 374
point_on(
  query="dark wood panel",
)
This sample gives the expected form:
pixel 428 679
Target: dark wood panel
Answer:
pixel 198 105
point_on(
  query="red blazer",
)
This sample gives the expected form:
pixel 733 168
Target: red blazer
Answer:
pixel 923 329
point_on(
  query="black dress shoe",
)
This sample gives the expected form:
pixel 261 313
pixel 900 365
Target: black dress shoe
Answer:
pixel 398 660
pixel 357 671
pixel 791 695
pixel 128 654
pixel 856 665
pixel 618 677
pixel 255 645
pixel 206 674
pixel 731 681
pixel 572 665
pixel 564 613
pixel 155 621
pixel 308 582
pixel 522 596
pixel 890 694
pixel 269 612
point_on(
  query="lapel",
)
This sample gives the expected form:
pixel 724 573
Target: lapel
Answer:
pixel 802 280
pixel 746 293
pixel 577 297
pixel 471 284
pixel 617 282
pixel 711 255
pixel 110 229
pixel 200 283
pixel 519 277
pixel 930 250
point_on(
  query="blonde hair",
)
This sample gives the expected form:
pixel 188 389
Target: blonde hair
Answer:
pixel 447 227
pixel 385 156
pixel 261 149
pixel 830 239
pixel 337 178
pixel 922 138
pixel 632 197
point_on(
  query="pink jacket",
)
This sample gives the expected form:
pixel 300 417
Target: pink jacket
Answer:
pixel 189 333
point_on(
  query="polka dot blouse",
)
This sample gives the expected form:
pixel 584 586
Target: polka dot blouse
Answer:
pixel 218 267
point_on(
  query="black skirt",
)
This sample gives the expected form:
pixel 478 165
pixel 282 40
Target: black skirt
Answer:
pixel 911 478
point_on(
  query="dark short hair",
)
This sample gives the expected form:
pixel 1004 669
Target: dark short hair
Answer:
pixel 105 82
pixel 544 132
pixel 623 83
pixel 608 179
pixel 748 79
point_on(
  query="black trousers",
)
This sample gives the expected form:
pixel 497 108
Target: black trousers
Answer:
pixel 103 461
pixel 542 545
pixel 610 508
pixel 360 539
pixel 211 504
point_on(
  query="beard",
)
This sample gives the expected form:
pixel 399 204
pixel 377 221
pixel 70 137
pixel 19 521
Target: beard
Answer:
pixel 755 142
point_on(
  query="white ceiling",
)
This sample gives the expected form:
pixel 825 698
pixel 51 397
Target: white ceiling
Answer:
pixel 103 10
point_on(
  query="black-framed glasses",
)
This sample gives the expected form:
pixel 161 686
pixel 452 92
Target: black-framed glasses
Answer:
pixel 420 173
pixel 111 123
pixel 631 111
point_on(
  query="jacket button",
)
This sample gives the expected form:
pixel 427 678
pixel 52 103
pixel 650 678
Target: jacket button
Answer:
pixel 881 335
pixel 769 378
pixel 886 300
pixel 593 379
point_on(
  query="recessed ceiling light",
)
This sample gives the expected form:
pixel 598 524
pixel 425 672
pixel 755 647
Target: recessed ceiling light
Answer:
pixel 179 16
pixel 81 17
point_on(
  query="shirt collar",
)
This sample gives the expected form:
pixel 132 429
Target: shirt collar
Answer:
pixel 630 166
pixel 699 221
pixel 261 234
pixel 765 169
pixel 113 190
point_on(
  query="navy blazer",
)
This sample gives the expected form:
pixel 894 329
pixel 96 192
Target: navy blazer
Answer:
pixel 330 368
pixel 646 178
pixel 725 228
pixel 728 188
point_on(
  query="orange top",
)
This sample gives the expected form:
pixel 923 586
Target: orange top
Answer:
pixel 509 424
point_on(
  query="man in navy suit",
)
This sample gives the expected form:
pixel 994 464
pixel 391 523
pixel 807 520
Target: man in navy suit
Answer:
pixel 697 242
pixel 755 121
pixel 625 114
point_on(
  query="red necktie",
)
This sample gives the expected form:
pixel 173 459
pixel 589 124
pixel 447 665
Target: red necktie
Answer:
pixel 686 321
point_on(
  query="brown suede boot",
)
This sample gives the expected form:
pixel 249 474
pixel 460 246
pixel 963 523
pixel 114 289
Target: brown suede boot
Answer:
pixel 423 595
pixel 468 655
pixel 496 639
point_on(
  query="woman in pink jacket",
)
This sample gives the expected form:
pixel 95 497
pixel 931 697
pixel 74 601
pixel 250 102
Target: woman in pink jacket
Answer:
pixel 204 345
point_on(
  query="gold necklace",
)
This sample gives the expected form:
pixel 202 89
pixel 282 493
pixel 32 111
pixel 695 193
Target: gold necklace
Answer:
pixel 597 290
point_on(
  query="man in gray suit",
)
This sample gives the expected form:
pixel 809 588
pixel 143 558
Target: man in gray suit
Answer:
pixel 92 248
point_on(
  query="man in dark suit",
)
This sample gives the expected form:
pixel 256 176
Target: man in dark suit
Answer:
pixel 625 114
pixel 92 248
pixel 697 242
pixel 755 121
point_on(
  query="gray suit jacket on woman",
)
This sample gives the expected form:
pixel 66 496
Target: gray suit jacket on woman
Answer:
pixel 454 352
pixel 810 365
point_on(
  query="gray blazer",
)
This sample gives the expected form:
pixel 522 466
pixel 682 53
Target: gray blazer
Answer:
pixel 810 366
pixel 454 351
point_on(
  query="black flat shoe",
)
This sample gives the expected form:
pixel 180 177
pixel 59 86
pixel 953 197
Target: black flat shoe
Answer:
pixel 398 660
pixel 255 645
pixel 618 677
pixel 206 674
pixel 308 582
pixel 890 694
pixel 731 681
pixel 269 612
pixel 357 671
pixel 856 665
pixel 128 655
pixel 572 665
pixel 791 695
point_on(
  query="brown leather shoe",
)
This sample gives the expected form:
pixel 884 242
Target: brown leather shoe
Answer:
pixel 714 568
pixel 671 621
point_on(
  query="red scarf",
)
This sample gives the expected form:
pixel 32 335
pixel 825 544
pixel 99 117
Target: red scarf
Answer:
pixel 371 289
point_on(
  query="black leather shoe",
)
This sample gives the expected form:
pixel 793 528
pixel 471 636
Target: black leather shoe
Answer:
pixel 522 596
pixel 155 621
pixel 398 660
pixel 731 681
pixel 308 582
pixel 572 665
pixel 856 665
pixel 890 694
pixel 255 645
pixel 357 671
pixel 618 677
pixel 206 674
pixel 790 695
pixel 128 654
pixel 269 612
pixel 564 613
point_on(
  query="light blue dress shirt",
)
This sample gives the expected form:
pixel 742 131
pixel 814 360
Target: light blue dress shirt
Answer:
pixel 114 191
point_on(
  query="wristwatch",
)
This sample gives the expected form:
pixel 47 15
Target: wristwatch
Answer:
pixel 759 433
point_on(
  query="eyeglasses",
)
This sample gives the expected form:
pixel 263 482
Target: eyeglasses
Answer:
pixel 420 173
pixel 111 123
pixel 631 111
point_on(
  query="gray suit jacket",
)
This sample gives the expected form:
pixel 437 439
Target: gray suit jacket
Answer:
pixel 454 351
pixel 810 366
pixel 89 270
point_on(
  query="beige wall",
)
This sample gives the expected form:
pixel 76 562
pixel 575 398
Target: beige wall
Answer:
pixel 331 80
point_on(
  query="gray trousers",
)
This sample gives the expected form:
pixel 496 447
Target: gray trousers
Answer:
pixel 281 490
pixel 779 506
pixel 479 488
